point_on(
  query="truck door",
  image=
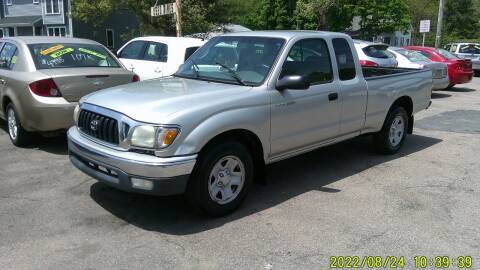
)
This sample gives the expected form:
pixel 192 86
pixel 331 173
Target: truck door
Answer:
pixel 353 88
pixel 303 118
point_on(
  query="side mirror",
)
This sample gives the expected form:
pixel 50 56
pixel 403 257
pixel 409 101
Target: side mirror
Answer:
pixel 292 82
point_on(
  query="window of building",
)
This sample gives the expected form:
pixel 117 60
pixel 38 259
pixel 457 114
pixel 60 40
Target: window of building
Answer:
pixel 36 1
pixel 57 31
pixel 9 2
pixel 309 58
pixel 52 6
pixel 345 61
pixel 110 38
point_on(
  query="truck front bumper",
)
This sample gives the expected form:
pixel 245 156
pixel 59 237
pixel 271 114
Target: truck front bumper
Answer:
pixel 128 171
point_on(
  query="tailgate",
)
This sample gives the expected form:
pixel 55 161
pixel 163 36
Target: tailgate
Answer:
pixel 74 83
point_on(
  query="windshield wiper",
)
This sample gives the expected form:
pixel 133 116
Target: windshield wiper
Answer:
pixel 195 68
pixel 233 73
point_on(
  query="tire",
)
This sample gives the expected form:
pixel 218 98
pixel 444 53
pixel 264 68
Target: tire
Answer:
pixel 17 134
pixel 221 178
pixel 396 122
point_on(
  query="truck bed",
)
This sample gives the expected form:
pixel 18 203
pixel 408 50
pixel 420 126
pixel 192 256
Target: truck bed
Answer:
pixel 371 72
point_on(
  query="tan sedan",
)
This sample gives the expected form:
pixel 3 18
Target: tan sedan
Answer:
pixel 43 78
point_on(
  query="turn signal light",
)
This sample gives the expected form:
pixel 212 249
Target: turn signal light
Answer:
pixel 45 88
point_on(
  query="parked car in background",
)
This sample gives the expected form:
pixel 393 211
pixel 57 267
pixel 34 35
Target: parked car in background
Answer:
pixel 155 57
pixel 459 70
pixel 43 78
pixel 467 51
pixel 374 54
pixel 211 128
pixel 413 59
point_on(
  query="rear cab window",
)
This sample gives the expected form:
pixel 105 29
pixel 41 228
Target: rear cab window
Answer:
pixel 309 58
pixel 71 55
pixel 469 49
pixel 446 54
pixel 345 60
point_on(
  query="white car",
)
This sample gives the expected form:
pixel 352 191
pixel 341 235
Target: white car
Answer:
pixel 374 54
pixel 155 57
pixel 467 51
pixel 413 59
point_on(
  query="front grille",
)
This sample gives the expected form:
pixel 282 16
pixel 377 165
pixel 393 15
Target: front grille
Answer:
pixel 98 126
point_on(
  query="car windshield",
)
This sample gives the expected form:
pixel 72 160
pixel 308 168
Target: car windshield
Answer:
pixel 377 51
pixel 447 54
pixel 69 55
pixel 413 55
pixel 469 48
pixel 233 59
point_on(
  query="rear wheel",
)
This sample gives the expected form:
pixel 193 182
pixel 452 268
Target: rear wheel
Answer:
pixel 18 135
pixel 392 136
pixel 221 179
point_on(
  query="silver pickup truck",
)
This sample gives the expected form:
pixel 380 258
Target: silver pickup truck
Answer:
pixel 240 102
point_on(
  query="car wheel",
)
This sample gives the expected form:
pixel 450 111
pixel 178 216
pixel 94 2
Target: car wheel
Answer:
pixel 18 135
pixel 392 136
pixel 221 178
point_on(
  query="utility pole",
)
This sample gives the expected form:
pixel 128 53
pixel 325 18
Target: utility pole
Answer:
pixel 178 4
pixel 438 37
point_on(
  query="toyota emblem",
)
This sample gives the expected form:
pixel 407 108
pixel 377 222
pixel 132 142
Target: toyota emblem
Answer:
pixel 94 125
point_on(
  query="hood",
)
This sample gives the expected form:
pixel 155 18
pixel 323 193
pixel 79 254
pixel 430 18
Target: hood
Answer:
pixel 152 101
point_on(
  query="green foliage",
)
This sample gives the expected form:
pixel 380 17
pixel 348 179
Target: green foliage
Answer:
pixel 462 19
pixel 315 14
pixel 272 14
pixel 379 16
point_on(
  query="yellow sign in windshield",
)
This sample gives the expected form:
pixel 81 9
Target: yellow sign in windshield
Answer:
pixel 62 52
pixel 51 49
pixel 99 55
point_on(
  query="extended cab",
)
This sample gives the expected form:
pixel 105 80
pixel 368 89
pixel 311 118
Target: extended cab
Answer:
pixel 213 126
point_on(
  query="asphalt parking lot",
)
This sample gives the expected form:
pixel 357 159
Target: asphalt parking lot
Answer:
pixel 338 201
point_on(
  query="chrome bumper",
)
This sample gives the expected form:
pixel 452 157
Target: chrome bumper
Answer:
pixel 120 169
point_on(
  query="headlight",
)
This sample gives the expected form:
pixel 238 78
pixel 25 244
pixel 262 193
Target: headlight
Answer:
pixel 146 136
pixel 76 113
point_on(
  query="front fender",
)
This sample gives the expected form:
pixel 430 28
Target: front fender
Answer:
pixel 253 119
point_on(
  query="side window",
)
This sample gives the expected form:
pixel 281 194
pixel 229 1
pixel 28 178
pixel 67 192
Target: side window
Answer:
pixel 133 50
pixel 454 49
pixel 309 58
pixel 189 52
pixel 345 61
pixel 156 52
pixel 8 56
pixel 448 47
pixel 426 54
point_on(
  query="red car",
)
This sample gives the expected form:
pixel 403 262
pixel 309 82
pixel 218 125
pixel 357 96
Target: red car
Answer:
pixel 459 70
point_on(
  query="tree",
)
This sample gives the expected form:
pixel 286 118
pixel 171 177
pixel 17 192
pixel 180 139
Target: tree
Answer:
pixel 379 16
pixel 315 14
pixel 461 19
pixel 198 15
pixel 272 14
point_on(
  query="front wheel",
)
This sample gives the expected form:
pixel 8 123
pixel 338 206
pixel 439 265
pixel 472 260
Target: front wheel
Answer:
pixel 221 178
pixel 394 131
pixel 18 135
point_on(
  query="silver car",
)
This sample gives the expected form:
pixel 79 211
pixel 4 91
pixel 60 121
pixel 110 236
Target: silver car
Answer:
pixel 43 78
pixel 374 54
pixel 467 51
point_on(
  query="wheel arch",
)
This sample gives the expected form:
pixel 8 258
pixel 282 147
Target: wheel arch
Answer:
pixel 405 102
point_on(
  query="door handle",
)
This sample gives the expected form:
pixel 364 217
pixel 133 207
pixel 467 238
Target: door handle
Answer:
pixel 333 96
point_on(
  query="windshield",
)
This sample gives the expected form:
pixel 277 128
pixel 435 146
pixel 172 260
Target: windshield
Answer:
pixel 413 55
pixel 470 49
pixel 232 59
pixel 447 54
pixel 377 51
pixel 63 55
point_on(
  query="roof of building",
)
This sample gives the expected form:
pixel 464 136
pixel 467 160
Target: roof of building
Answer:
pixel 20 21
